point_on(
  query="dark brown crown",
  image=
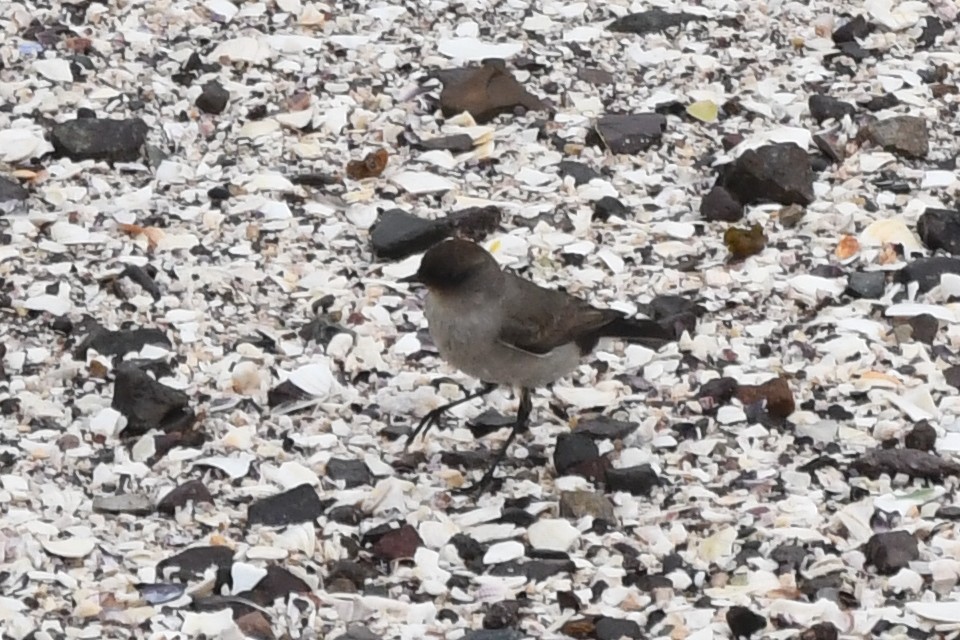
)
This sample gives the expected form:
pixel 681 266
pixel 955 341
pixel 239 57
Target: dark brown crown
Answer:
pixel 451 263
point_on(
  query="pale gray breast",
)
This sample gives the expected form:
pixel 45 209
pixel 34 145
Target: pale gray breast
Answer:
pixel 466 333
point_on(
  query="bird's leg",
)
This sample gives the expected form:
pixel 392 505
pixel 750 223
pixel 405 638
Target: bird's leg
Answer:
pixel 522 424
pixel 434 416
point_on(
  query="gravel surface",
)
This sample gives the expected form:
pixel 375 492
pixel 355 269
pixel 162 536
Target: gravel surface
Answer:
pixel 208 367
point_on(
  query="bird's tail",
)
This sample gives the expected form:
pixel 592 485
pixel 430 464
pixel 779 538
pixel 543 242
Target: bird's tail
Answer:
pixel 648 333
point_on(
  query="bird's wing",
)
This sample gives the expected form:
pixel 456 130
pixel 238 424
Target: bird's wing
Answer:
pixel 539 320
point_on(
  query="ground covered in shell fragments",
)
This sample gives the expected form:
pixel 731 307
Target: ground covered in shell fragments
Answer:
pixel 208 366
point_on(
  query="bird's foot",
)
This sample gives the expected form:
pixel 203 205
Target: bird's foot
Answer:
pixel 428 421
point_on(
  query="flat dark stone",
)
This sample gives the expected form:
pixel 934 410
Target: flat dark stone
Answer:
pixel 855 29
pixel 119 343
pixel 475 223
pixel 903 135
pixel 721 205
pixel 651 21
pixel 191 563
pixel 826 107
pixel 743 622
pixel 300 504
pixel 459 143
pixel 354 473
pixel 927 271
pixel 891 551
pixel 878 103
pixel 910 462
pixel 100 139
pixel 278 583
pixel 867 284
pixel 398 234
pixel 616 628
pixel 639 480
pixel 573 449
pixel 581 173
pixel 213 99
pixel 10 190
pixel 629 133
pixel 779 173
pixel 178 497
pixel 147 404
pixel 604 427
pixel 609 206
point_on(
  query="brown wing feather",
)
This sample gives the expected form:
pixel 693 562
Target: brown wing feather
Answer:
pixel 539 320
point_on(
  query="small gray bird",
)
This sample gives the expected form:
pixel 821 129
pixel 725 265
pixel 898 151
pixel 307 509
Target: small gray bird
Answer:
pixel 504 330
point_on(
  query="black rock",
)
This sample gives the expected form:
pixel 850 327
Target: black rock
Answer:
pixel 475 223
pixel 948 512
pixel 903 135
pixel 501 615
pixel 354 473
pixel 924 327
pixel 867 284
pixel 820 631
pixel 494 634
pixel 119 343
pixel 321 330
pixel 778 173
pixel 910 462
pixel 458 143
pixel 922 437
pixel 99 139
pixel 398 234
pixel 573 449
pixel 346 514
pixel 932 29
pixel 300 504
pixel 628 133
pixel 191 491
pixel 213 99
pixel 580 172
pixel 358 632
pixel 744 623
pixel 721 205
pixel 952 376
pixel 940 229
pixel 856 29
pixel 651 21
pixel 639 480
pixel 10 190
pixel 604 427
pixel 789 556
pixel 218 194
pixel 147 404
pixel 609 206
pixel 539 570
pixel 825 107
pixel 616 628
pixel 140 276
pixel 927 271
pixel 278 583
pixel 878 103
pixel 192 563
pixel 891 551
pixel 718 390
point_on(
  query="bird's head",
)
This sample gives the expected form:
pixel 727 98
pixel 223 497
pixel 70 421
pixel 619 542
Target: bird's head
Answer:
pixel 452 265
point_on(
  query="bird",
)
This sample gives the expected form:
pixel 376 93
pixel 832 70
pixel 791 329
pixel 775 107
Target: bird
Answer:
pixel 503 329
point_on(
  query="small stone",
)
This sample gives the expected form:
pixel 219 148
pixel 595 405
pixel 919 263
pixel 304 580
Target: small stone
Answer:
pixel 940 229
pixel 501 615
pixel 571 450
pixel 867 284
pixel 397 543
pixel 826 108
pixel 398 234
pixel 820 631
pixel 358 632
pixel 605 428
pixel 192 563
pixel 744 623
pixel 638 480
pixel 147 404
pixel 299 504
pixel 213 99
pixel 721 205
pixel 458 143
pixel 743 243
pixel 10 190
pixel 778 173
pixel 628 133
pixel 119 343
pixel 371 166
pixel 100 139
pixel 133 503
pixel 255 625
pixel 927 271
pixel 581 173
pixel 791 215
pixel 353 473
pixel 485 93
pixel 278 583
pixel 616 629
pixel 651 21
pixel 578 504
pixel 882 102
pixel 910 462
pixel 891 551
pixel 475 223
pixel 904 135
pixel 191 491
pixel 609 206
pixel 855 29
pixel 830 146
pixel 345 514
pixel 922 437
pixel 775 393
pixel 596 77
pixel 951 376
pixel 924 327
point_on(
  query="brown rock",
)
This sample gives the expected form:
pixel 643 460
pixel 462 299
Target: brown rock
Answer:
pixel 776 393
pixel 903 135
pixel 255 625
pixel 398 543
pixel 485 93
pixel 577 504
pixel 744 243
